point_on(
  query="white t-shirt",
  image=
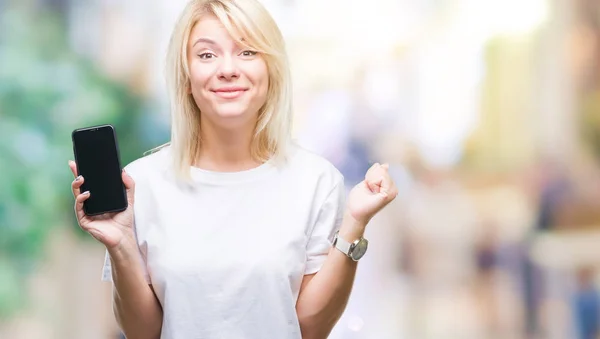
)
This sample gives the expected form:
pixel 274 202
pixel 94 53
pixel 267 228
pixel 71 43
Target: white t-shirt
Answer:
pixel 226 255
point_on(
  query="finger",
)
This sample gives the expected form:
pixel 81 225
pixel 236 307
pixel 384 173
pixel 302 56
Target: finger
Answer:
pixel 373 167
pixel 388 187
pixel 73 167
pixel 375 172
pixel 370 186
pixel 76 186
pixel 129 186
pixel 374 185
pixel 79 205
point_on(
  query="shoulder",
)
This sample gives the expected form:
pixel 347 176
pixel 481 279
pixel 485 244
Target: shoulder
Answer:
pixel 151 164
pixel 310 166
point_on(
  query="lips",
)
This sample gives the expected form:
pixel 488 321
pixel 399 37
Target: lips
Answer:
pixel 230 89
pixel 229 92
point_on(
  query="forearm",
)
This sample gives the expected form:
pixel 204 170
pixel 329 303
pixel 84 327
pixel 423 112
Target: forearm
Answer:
pixel 323 300
pixel 136 308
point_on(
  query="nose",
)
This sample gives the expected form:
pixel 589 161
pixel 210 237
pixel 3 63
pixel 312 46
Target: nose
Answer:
pixel 228 69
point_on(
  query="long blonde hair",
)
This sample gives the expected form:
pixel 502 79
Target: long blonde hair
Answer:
pixel 252 26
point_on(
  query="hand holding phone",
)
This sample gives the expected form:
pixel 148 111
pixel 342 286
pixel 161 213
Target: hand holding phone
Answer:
pixel 103 192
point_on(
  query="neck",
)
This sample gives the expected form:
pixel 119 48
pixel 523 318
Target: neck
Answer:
pixel 225 150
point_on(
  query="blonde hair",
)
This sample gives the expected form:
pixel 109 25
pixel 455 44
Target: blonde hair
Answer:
pixel 248 22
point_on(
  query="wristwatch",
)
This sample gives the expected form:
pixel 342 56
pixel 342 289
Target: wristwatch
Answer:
pixel 354 250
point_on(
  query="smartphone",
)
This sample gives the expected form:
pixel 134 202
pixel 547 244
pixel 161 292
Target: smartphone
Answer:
pixel 97 157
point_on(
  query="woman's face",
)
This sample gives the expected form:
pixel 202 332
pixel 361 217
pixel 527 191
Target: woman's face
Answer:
pixel 228 82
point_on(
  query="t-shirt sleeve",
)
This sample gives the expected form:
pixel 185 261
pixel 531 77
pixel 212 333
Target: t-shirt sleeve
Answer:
pixel 328 222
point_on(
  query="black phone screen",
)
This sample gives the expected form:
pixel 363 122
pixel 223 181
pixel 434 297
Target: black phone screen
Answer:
pixel 97 158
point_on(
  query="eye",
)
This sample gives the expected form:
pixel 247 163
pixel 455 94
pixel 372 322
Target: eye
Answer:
pixel 206 56
pixel 248 53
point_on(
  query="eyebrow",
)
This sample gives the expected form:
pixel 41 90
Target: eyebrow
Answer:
pixel 205 40
pixel 210 41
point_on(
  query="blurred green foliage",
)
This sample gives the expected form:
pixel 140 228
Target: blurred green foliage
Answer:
pixel 46 91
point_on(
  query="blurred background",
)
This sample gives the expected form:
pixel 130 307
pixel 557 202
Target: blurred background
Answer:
pixel 487 110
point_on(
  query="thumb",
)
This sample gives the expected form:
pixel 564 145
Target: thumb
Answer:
pixel 129 186
pixel 374 185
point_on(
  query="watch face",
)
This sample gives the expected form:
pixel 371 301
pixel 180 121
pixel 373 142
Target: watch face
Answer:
pixel 360 249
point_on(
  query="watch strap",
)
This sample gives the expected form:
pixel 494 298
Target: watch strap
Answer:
pixel 342 245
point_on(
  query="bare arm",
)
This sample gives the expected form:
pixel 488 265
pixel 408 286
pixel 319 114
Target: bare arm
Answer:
pixel 135 305
pixel 324 295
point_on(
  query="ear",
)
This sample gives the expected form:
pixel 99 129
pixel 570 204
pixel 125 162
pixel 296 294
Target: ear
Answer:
pixel 188 87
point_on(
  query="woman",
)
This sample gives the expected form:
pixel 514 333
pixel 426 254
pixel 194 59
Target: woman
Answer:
pixel 229 228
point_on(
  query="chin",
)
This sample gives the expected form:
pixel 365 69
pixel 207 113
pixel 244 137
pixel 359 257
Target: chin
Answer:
pixel 234 117
pixel 232 113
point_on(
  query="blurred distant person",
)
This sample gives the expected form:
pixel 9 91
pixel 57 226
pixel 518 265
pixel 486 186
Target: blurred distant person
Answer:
pixel 586 305
pixel 486 254
pixel 333 137
pixel 232 231
pixel 553 190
